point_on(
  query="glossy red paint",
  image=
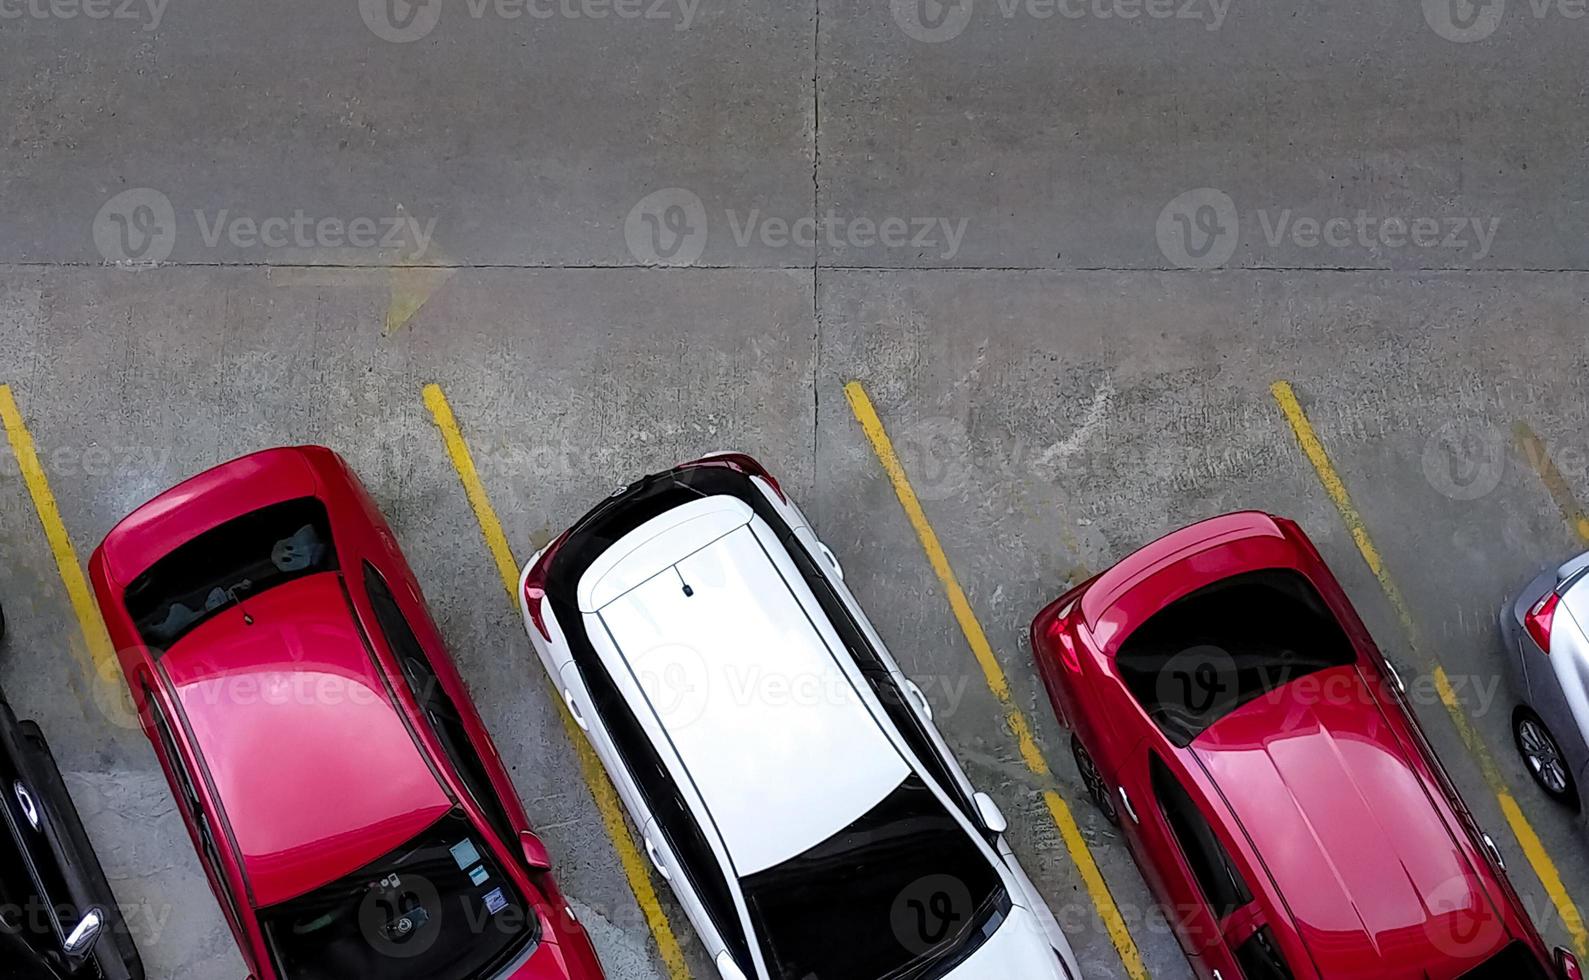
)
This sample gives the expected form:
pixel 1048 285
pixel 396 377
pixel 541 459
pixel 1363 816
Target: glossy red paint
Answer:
pixel 1361 859
pixel 304 747
pixel 264 703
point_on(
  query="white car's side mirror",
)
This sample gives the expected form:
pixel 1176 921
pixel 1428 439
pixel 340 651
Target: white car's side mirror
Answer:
pixel 992 816
pixel 727 968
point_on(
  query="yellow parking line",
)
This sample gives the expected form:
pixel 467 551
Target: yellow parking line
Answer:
pixel 998 683
pixel 634 866
pixel 1533 448
pixel 101 651
pixel 1527 839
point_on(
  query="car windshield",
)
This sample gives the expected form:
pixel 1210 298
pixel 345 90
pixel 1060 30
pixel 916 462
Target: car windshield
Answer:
pixel 900 890
pixel 227 565
pixel 1515 962
pixel 1212 651
pixel 437 908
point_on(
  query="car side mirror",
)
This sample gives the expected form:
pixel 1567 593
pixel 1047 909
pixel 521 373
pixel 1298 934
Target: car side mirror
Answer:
pixel 1567 964
pixel 80 941
pixel 727 968
pixel 992 816
pixel 535 856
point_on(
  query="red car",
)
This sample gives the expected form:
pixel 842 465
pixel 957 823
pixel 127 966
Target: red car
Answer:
pixel 346 803
pixel 1230 712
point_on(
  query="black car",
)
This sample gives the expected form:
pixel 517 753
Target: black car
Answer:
pixel 58 918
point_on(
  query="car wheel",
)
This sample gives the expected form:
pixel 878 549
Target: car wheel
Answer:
pixel 1543 758
pixel 1093 780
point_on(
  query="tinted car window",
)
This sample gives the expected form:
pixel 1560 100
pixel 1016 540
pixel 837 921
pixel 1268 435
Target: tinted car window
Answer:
pixel 1260 959
pixel 437 908
pixel 439 710
pixel 1515 962
pixel 210 852
pixel 901 888
pixel 226 565
pixel 1212 651
pixel 1212 867
pixel 668 807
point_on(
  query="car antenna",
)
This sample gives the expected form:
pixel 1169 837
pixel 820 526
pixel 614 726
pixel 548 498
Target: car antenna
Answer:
pixel 236 594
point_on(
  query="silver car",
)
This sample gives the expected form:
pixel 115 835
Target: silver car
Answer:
pixel 1547 660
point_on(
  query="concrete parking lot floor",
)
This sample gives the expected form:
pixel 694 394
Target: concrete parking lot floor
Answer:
pixel 1067 249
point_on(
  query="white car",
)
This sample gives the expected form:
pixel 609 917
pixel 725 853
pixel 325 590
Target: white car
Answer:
pixel 787 778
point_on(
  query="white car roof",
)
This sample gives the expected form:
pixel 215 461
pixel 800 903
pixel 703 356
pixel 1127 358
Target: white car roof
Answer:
pixel 770 729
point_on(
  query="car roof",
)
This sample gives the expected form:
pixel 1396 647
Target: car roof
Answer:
pixel 737 666
pixel 1323 786
pixel 312 762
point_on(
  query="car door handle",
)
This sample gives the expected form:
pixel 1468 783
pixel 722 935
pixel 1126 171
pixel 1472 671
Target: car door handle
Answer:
pixel 832 561
pixel 656 860
pixel 573 709
pixel 921 698
pixel 1131 811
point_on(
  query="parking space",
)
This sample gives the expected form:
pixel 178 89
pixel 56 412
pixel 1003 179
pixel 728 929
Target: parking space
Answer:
pixel 1045 431
pixel 1052 433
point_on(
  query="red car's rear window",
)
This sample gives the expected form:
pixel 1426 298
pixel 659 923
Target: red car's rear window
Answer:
pixel 1212 651
pixel 226 565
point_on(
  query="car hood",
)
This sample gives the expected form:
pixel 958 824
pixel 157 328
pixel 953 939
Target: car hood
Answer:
pixel 1019 949
pixel 1365 861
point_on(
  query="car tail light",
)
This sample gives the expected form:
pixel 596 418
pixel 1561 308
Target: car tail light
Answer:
pixel 1538 620
pixel 1567 965
pixel 1059 636
pixel 743 464
pixel 535 585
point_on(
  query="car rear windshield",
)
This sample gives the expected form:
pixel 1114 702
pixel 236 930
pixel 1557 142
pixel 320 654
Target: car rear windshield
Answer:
pixel 1515 962
pixel 227 565
pixel 895 894
pixel 437 908
pixel 1212 651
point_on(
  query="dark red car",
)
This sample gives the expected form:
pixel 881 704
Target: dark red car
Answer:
pixel 1230 712
pixel 346 803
